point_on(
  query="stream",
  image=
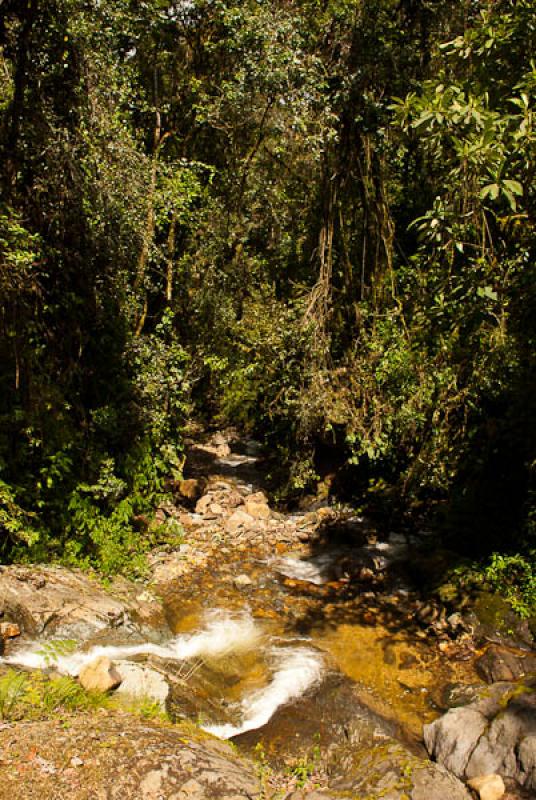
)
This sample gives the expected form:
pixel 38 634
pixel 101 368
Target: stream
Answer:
pixel 258 626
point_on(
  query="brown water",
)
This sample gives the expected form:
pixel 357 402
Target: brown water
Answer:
pixel 240 653
pixel 399 671
pixel 303 598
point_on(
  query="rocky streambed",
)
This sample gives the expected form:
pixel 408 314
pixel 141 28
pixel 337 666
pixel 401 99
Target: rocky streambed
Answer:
pixel 302 638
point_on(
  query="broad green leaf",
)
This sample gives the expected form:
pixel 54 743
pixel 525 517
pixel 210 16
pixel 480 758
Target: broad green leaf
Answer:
pixel 491 191
pixel 487 292
pixel 510 197
pixel 514 186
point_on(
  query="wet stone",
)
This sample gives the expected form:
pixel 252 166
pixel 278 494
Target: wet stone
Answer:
pixel 242 581
pixel 100 675
pixel 499 664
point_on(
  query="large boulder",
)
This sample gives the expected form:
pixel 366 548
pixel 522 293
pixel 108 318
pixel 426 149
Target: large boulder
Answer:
pixel 496 733
pixel 500 664
pixel 120 757
pixel 61 603
pixel 494 621
pixel 389 770
pixel 363 754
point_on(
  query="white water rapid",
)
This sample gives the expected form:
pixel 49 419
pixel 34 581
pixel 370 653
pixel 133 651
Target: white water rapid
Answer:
pixel 223 633
pixel 315 569
pixel 293 671
pixel 296 671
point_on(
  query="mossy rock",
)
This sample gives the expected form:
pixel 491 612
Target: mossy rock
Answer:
pixel 497 622
pixel 492 610
pixel 388 770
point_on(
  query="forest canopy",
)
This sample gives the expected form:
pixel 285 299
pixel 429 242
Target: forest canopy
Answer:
pixel 314 220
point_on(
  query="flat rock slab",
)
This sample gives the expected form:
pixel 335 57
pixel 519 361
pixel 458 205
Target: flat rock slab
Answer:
pixel 120 757
pixel 57 602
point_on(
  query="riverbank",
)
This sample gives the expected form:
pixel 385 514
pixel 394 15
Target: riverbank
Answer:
pixel 302 637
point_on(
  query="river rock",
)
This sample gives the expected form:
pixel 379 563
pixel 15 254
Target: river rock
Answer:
pixel 99 675
pixel 9 630
pixel 239 519
pixel 68 604
pixel 242 581
pixel 489 787
pixel 143 683
pixel 459 694
pixel 258 497
pixel 496 733
pixel 234 499
pixel 500 664
pixel 256 509
pixel 203 505
pixel 124 758
pixel 220 444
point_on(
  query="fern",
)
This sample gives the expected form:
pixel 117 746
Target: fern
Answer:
pixel 65 692
pixel 12 687
pixel 35 696
pixel 56 649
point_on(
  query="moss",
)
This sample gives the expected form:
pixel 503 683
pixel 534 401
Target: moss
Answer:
pixel 371 765
pixel 493 610
pixel 516 691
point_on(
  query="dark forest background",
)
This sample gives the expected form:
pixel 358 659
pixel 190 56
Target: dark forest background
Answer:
pixel 314 220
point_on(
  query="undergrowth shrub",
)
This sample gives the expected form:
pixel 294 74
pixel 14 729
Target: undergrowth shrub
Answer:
pixel 514 577
pixel 35 696
pixel 95 526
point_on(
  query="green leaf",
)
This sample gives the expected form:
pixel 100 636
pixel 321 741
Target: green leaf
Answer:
pixel 487 292
pixel 514 186
pixel 491 191
pixel 511 199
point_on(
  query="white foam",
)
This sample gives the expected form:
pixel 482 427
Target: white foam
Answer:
pixel 223 633
pixel 235 460
pixel 297 671
pixel 294 671
pixel 394 549
pixel 312 570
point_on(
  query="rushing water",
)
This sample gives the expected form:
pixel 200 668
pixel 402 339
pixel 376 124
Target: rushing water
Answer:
pixel 314 570
pixel 266 647
pixel 293 671
pixel 222 633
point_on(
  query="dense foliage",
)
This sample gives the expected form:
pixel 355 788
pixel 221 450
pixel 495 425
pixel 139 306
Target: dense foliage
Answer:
pixel 313 219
